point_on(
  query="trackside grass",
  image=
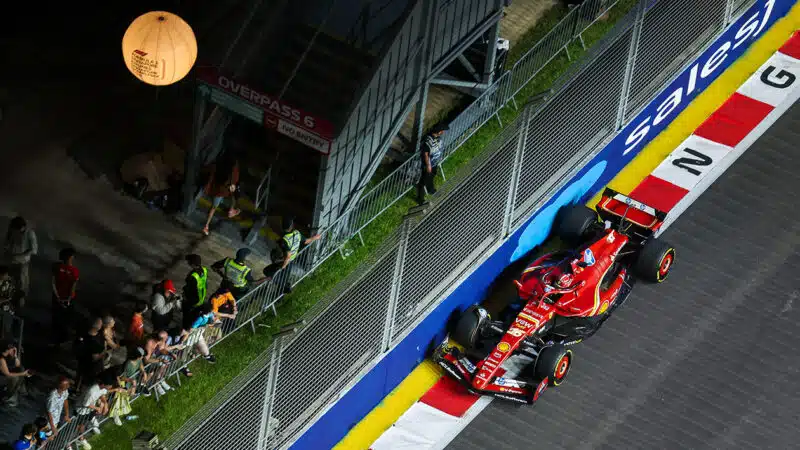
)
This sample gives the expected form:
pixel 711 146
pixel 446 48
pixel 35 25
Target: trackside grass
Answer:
pixel 237 350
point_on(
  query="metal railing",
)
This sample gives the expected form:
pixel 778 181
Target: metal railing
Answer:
pixel 307 367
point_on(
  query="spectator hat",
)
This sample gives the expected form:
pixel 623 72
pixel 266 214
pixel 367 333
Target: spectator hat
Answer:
pixel 169 286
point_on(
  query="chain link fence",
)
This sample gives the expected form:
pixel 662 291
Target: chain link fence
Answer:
pixel 310 364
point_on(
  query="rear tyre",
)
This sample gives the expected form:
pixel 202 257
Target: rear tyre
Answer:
pixel 575 224
pixel 655 260
pixel 468 327
pixel 553 363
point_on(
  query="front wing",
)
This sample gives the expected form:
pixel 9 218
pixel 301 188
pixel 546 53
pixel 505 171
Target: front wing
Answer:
pixel 463 370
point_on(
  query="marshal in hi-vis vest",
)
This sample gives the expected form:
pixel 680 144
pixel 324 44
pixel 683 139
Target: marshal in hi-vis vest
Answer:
pixel 292 241
pixel 202 286
pixel 236 273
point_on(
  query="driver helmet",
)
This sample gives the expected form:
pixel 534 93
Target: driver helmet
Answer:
pixel 564 280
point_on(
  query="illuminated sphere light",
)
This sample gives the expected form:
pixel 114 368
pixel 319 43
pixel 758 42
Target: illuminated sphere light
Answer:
pixel 159 48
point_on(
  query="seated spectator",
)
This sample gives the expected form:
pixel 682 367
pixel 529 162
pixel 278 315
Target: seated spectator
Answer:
pixel 58 405
pixel 26 438
pixel 110 340
pixel 136 328
pixel 42 432
pixel 174 340
pixel 164 302
pixel 93 404
pixel 16 375
pixel 157 370
pixel 223 305
pixel 121 403
pixel 134 374
pixel 90 351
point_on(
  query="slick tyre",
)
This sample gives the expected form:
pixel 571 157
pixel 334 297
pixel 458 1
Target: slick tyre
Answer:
pixel 553 363
pixel 654 261
pixel 467 328
pixel 575 224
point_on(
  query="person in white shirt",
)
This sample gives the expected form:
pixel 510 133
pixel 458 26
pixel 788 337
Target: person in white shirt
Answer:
pixel 58 404
pixel 94 403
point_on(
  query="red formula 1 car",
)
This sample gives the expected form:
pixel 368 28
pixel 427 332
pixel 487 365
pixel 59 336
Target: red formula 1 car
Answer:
pixel 564 298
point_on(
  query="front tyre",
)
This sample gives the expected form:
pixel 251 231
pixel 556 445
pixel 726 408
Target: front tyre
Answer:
pixel 467 329
pixel 553 363
pixel 655 261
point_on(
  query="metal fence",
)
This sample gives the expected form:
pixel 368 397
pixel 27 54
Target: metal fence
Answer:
pixel 311 363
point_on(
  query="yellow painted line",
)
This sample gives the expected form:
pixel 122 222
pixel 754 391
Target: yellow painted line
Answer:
pixel 426 374
pixel 370 428
pixel 703 105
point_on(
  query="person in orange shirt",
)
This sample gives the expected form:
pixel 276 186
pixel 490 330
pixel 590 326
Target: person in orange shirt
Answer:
pixel 136 329
pixel 223 305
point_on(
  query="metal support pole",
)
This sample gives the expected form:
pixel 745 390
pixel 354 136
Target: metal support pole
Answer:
pixel 397 279
pixel 728 12
pixel 470 68
pixel 269 396
pixel 633 49
pixel 423 70
pixel 511 201
pixel 192 161
pixel 491 54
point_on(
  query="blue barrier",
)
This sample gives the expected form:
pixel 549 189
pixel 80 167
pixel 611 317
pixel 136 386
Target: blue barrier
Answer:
pixel 401 360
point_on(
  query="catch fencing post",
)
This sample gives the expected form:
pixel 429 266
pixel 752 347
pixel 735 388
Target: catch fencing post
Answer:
pixel 522 139
pixel 397 278
pixel 728 11
pixel 631 65
pixel 269 396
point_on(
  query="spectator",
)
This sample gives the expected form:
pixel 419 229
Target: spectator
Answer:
pixel 21 244
pixel 94 403
pixel 292 240
pixel 431 155
pixel 109 339
pixel 64 283
pixel 223 182
pixel 195 289
pixel 236 274
pixel 223 305
pixel 11 368
pixel 58 405
pixel 26 438
pixel 121 404
pixel 40 438
pixel 134 374
pixel 136 328
pixel 8 301
pixel 275 265
pixel 197 330
pixel 164 302
pixel 173 342
pixel 90 353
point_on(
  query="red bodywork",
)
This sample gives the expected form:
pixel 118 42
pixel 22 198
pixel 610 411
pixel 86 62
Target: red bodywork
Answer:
pixel 584 297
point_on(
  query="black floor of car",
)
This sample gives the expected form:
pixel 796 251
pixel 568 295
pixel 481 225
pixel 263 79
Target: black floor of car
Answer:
pixel 708 360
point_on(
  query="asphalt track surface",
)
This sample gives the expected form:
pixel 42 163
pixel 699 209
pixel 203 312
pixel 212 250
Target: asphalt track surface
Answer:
pixel 710 359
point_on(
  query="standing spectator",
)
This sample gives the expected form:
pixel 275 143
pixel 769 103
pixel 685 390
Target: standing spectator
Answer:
pixel 121 405
pixel 205 318
pixel 90 353
pixel 431 155
pixel 195 289
pixel 110 340
pixel 58 405
pixel 236 275
pixel 8 300
pixel 136 328
pixel 223 182
pixel 292 240
pixel 11 368
pixel 164 302
pixel 21 244
pixel 26 438
pixel 64 284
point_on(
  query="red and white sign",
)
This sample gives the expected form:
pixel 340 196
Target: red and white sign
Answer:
pixel 280 116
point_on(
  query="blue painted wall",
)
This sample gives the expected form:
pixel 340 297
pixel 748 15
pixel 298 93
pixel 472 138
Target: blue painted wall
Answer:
pixel 374 386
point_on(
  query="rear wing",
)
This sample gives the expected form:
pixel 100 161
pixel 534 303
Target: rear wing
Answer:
pixel 627 213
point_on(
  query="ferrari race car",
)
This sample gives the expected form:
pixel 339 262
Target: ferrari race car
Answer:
pixel 564 298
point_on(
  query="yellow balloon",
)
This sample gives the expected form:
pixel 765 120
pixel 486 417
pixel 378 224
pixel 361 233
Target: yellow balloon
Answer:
pixel 159 48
